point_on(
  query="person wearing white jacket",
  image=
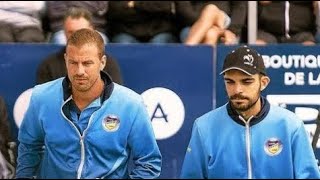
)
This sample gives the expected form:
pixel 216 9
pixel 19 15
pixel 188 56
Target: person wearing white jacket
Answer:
pixel 21 21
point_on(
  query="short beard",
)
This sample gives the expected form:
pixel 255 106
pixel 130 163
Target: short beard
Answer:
pixel 244 107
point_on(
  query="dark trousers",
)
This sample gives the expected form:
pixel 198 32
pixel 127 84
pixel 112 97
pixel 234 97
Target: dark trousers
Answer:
pixel 11 33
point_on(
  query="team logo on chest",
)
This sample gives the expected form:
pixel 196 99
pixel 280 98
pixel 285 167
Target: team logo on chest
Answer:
pixel 273 146
pixel 111 123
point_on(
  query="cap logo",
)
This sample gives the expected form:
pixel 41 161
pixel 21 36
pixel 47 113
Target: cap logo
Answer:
pixel 248 59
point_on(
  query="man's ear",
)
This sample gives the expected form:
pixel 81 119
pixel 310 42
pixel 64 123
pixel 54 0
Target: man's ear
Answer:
pixel 265 80
pixel 103 62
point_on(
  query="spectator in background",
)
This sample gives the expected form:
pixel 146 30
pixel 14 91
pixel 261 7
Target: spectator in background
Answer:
pixel 20 21
pixel 56 11
pixel 142 22
pixel 54 67
pixel 211 22
pixel 286 22
pixel 7 146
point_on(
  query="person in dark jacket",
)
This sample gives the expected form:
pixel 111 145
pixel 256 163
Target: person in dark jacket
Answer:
pixel 54 67
pixel 56 11
pixel 142 22
pixel 286 22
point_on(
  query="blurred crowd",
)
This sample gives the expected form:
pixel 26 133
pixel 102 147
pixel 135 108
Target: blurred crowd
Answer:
pixel 189 22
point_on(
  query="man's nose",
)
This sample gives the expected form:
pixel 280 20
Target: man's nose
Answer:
pixel 81 69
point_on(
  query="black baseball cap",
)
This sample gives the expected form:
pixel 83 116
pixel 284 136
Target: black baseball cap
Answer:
pixel 246 60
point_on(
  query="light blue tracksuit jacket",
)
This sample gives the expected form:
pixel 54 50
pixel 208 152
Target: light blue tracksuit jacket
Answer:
pixel 52 147
pixel 274 144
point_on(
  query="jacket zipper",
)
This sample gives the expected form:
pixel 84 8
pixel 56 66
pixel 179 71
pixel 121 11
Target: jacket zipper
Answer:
pixel 248 145
pixel 80 168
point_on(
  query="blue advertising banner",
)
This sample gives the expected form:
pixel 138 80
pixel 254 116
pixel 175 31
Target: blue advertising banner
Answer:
pixel 175 81
pixel 18 66
pixel 295 79
pixel 177 85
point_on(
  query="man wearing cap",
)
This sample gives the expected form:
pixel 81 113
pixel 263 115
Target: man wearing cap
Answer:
pixel 247 137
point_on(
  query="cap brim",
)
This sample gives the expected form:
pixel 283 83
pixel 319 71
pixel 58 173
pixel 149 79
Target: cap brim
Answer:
pixel 236 68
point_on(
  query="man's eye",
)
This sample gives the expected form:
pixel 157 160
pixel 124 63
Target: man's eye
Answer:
pixel 87 63
pixel 229 82
pixel 247 82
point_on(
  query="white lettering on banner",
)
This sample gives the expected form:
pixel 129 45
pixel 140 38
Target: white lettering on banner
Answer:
pixel 313 80
pixel 166 111
pixel 295 62
pixel 298 78
pixel 294 78
pixel 292 61
pixel 307 114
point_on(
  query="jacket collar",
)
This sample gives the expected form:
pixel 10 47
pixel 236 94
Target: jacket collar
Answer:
pixel 108 87
pixel 265 107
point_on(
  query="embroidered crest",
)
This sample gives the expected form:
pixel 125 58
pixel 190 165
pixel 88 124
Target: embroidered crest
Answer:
pixel 273 146
pixel 111 123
